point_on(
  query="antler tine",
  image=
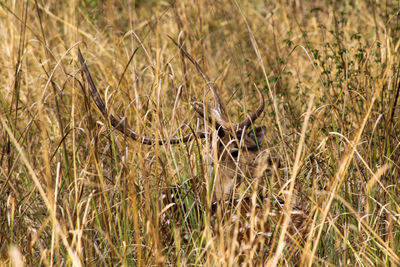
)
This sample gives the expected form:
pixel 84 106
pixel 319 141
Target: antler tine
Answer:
pixel 218 112
pixel 200 108
pixel 120 125
pixel 256 114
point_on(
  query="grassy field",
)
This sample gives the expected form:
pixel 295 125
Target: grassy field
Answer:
pixel 75 192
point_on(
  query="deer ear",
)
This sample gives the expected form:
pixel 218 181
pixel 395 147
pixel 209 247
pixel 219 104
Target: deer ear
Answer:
pixel 257 134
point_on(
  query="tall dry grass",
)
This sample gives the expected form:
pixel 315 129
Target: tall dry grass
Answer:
pixel 75 192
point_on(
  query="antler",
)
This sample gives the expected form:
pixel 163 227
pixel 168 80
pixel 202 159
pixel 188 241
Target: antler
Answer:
pixel 118 124
pixel 218 112
pixel 247 122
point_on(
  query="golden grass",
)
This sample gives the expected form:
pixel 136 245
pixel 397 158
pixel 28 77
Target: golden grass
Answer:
pixel 74 192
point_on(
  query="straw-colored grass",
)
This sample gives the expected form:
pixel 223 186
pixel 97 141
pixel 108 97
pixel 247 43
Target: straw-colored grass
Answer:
pixel 75 192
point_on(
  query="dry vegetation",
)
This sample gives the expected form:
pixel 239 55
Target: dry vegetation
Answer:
pixel 73 191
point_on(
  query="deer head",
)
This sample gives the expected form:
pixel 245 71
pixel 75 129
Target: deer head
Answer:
pixel 237 145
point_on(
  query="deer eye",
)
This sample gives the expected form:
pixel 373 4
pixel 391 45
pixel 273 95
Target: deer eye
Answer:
pixel 235 153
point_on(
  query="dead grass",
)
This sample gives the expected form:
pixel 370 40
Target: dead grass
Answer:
pixel 74 192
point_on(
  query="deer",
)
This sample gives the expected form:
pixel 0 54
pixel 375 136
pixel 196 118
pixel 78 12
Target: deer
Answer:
pixel 238 157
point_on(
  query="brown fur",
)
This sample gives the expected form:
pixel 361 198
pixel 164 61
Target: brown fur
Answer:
pixel 240 157
pixel 237 156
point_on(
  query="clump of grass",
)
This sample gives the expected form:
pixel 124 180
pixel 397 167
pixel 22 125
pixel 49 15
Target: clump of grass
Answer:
pixel 73 191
